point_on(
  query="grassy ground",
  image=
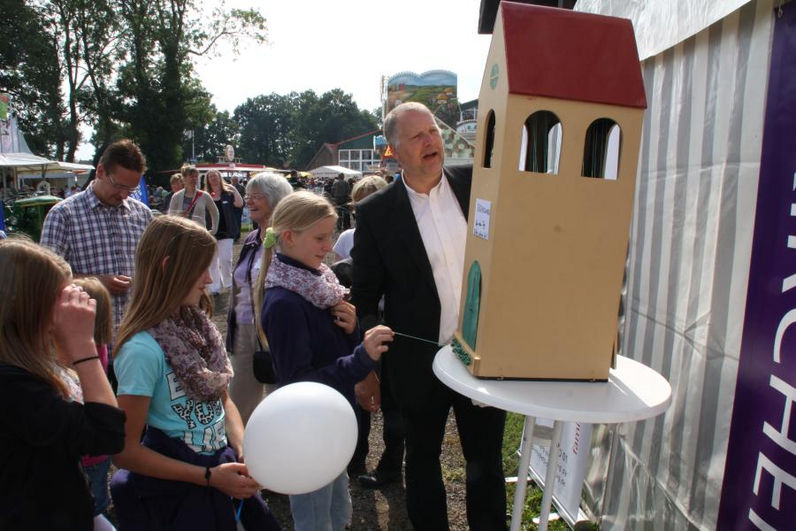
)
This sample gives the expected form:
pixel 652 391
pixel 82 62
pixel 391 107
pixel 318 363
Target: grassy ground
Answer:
pixel 533 497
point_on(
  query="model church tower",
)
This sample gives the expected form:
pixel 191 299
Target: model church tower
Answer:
pixel 560 114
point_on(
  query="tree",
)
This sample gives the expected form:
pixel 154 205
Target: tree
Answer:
pixel 30 74
pixel 87 33
pixel 287 131
pixel 209 141
pixel 163 35
pixel 267 128
pixel 329 119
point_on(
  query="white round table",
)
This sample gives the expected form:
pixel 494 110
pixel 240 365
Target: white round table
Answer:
pixel 633 392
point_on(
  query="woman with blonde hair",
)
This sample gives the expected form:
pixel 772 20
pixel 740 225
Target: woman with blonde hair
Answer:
pixel 227 199
pixel 192 203
pixel 312 331
pixel 46 432
pixel 254 375
pixel 187 471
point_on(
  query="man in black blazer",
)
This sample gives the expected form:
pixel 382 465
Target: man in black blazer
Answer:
pixel 409 247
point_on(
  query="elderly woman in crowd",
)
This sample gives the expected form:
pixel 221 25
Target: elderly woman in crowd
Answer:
pixel 227 199
pixel 193 203
pixel 263 192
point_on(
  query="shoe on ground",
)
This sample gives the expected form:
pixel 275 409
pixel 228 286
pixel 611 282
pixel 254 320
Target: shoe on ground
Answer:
pixel 356 467
pixel 377 479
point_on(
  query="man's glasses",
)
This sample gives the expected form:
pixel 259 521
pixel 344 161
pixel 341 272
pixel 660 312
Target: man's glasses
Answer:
pixel 121 187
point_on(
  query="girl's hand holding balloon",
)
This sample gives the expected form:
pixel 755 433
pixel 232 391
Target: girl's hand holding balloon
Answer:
pixel 233 480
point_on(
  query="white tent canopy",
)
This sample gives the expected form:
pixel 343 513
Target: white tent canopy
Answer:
pixel 661 24
pixel 334 171
pixel 29 166
pixel 33 164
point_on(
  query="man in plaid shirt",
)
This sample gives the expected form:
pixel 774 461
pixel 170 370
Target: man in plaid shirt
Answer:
pixel 97 230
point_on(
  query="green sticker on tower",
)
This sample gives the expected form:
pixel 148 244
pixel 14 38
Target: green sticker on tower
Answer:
pixel 493 76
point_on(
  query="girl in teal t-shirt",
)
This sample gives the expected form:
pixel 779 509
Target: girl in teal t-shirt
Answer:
pixel 173 374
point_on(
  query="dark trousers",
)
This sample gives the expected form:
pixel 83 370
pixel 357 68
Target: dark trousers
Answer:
pixel 343 216
pixel 481 435
pixel 392 459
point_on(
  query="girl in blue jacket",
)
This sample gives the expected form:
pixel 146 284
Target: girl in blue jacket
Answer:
pixel 312 331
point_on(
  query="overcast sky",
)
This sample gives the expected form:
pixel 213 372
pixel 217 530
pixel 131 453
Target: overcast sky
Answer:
pixel 350 44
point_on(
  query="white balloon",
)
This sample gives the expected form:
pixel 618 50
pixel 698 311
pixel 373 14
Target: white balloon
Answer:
pixel 300 438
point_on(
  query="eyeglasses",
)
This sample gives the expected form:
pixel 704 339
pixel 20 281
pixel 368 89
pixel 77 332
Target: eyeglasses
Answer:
pixel 121 187
pixel 253 197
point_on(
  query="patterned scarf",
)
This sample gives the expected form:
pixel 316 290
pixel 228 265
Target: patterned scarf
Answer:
pixel 323 291
pixel 193 348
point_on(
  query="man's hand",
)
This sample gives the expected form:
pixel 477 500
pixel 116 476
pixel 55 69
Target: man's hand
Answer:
pixel 116 284
pixel 368 393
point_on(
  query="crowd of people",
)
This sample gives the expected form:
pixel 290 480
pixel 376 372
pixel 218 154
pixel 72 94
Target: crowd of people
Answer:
pixel 108 348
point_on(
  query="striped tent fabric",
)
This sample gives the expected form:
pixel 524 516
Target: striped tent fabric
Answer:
pixel 687 273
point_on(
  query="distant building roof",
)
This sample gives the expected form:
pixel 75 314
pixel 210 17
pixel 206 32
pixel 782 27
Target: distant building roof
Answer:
pixel 327 154
pixel 363 141
pixel 570 55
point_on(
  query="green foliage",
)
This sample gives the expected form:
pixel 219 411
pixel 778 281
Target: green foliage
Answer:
pixel 125 68
pixel 287 131
pixel 30 73
pixel 265 124
pixel 210 140
pixel 122 66
pixel 164 97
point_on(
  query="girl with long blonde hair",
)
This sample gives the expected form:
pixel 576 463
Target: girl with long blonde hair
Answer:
pixel 46 432
pixel 312 331
pixel 173 374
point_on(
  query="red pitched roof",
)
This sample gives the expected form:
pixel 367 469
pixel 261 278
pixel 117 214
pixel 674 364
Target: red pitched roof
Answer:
pixel 570 55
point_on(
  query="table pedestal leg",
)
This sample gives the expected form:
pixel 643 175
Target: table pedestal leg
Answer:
pixel 522 473
pixel 550 477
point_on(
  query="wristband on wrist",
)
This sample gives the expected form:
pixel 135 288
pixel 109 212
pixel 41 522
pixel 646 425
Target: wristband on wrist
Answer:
pixel 207 475
pixel 81 360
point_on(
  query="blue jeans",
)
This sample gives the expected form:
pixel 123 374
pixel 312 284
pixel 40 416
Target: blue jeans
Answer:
pixel 98 484
pixel 326 509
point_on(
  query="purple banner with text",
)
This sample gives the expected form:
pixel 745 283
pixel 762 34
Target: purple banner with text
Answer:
pixel 759 490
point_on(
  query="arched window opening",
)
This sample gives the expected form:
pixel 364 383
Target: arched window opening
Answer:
pixel 489 143
pixel 602 149
pixel 540 149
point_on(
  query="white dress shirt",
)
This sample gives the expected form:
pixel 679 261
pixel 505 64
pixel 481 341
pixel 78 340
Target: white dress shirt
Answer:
pixel 444 232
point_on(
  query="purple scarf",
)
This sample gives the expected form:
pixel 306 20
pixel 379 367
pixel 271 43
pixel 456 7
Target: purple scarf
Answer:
pixel 193 348
pixel 323 291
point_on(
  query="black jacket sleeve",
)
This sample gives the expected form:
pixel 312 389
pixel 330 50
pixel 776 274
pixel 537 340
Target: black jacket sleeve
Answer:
pixel 42 418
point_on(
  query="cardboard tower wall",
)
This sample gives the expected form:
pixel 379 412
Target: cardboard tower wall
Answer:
pixel 553 263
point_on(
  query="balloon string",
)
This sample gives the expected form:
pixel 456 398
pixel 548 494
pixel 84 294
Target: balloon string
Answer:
pixel 414 337
pixel 237 515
